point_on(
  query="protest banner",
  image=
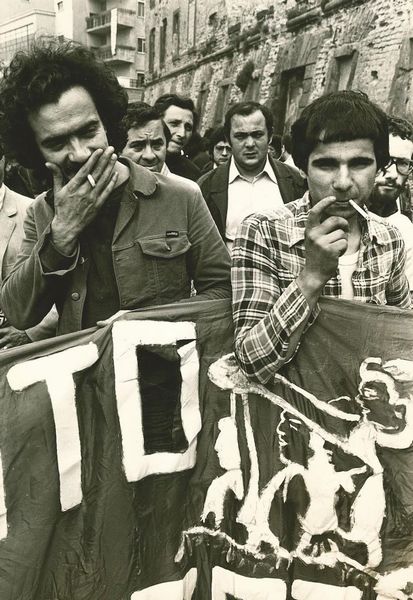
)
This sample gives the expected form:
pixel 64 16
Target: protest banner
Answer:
pixel 139 464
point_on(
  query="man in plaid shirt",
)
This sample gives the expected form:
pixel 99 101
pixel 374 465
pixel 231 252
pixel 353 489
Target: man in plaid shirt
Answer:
pixel 320 244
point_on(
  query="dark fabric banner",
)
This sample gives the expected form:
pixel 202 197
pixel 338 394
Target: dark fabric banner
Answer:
pixel 137 463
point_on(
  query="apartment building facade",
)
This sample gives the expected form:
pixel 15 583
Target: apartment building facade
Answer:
pixel 21 21
pixel 113 29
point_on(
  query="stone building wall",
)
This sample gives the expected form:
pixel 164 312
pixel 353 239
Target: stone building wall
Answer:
pixel 283 53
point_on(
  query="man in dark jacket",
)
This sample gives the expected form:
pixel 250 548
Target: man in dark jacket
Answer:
pixel 251 182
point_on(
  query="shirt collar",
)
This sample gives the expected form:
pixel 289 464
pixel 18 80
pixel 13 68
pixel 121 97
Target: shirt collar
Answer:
pixel 234 172
pixel 165 170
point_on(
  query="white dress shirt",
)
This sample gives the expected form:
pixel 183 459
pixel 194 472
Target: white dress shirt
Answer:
pixel 261 195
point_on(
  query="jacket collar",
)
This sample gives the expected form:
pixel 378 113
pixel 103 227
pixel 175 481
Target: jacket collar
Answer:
pixel 142 182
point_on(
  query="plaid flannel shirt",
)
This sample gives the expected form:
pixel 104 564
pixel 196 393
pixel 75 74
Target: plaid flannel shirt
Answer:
pixel 268 306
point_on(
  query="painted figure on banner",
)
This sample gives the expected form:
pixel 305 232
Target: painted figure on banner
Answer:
pixel 334 520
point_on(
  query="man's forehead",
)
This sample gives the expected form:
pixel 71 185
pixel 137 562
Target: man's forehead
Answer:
pixel 73 109
pixel 176 112
pixel 400 148
pixel 150 130
pixel 255 120
pixel 346 149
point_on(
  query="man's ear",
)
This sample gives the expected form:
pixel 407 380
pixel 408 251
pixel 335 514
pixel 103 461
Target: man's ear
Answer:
pixel 303 174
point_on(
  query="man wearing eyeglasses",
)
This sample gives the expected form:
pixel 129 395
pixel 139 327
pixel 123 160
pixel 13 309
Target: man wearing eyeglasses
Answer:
pixel 390 183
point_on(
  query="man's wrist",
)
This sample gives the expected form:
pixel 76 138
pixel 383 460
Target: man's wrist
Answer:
pixel 310 285
pixel 62 239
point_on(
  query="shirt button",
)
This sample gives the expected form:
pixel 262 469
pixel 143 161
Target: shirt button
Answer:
pixel 75 296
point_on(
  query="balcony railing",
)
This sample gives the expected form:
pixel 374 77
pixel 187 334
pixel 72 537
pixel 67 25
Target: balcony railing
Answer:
pixel 126 82
pixel 122 54
pixel 101 22
pixel 9 48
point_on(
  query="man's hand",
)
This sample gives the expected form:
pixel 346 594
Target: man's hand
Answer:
pixel 325 242
pixel 10 337
pixel 77 203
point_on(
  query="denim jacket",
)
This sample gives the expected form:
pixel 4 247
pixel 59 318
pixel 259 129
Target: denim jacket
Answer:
pixel 164 239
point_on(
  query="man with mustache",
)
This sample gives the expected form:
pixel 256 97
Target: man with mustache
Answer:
pixel 109 234
pixel 391 181
pixel 325 243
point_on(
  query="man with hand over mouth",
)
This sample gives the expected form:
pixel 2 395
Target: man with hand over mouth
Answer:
pixel 325 243
pixel 109 234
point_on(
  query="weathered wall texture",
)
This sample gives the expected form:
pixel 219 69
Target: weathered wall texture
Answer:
pixel 283 53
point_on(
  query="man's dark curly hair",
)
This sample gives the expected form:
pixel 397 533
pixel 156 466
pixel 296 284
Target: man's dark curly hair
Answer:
pixel 400 127
pixel 39 77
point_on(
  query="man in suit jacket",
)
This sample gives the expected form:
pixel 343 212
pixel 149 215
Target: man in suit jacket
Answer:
pixel 251 182
pixel 13 207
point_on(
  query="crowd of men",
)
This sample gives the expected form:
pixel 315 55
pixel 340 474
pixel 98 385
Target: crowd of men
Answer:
pixel 138 209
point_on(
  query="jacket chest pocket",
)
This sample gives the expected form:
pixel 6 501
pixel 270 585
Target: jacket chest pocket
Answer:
pixel 165 260
pixel 153 270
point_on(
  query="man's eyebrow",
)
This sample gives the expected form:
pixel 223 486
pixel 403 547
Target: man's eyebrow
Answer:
pixel 53 139
pixel 250 132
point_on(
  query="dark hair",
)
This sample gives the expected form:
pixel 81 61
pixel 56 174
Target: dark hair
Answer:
pixel 287 142
pixel 400 127
pixel 40 76
pixel 167 100
pixel 140 113
pixel 276 143
pixel 245 109
pixel 338 117
pixel 217 135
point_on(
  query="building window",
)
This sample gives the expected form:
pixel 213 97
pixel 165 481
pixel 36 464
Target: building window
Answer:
pixel 342 70
pixel 202 98
pixel 191 23
pixel 175 33
pixel 292 86
pixel 344 64
pixel 141 9
pixel 162 42
pixel 140 79
pixel 151 58
pixel 213 21
pixel 141 46
pixel 221 104
pixel 59 6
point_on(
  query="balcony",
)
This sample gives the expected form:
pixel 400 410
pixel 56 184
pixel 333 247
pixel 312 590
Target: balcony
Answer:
pixel 123 54
pixel 101 23
pixel 128 83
